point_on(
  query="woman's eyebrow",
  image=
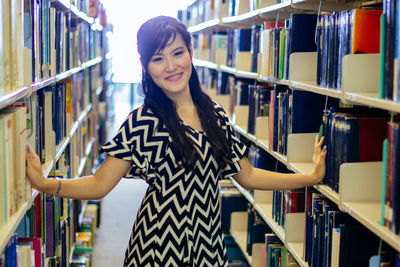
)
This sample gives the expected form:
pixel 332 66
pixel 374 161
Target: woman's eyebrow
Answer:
pixel 180 47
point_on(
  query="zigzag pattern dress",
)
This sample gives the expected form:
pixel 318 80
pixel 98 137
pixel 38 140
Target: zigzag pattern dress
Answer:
pixel 178 223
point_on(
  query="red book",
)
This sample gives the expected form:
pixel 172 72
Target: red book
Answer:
pixel 37 216
pixel 366 31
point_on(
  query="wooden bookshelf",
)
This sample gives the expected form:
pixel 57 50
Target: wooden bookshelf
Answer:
pixel 13 96
pixel 91 56
pixel 312 87
pixel 360 86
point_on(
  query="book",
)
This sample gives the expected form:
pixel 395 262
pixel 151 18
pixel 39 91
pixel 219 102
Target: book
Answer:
pixel 302 34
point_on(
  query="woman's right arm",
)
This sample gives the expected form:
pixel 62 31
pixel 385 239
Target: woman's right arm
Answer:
pixel 92 187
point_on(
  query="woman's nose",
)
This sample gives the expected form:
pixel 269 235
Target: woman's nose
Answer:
pixel 170 64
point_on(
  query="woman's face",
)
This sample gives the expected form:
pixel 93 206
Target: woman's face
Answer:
pixel 171 67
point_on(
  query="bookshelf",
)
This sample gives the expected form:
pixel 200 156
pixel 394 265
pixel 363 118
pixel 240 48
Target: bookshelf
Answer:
pixel 360 188
pixel 68 75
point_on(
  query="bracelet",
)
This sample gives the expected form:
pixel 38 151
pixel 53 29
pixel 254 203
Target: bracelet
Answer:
pixel 58 187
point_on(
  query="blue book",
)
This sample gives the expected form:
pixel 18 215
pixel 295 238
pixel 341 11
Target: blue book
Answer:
pixel 305 111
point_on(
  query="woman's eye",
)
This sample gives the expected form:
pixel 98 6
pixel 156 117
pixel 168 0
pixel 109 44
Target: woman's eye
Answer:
pixel 156 59
pixel 178 53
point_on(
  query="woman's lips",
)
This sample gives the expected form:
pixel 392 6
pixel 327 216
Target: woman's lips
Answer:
pixel 174 77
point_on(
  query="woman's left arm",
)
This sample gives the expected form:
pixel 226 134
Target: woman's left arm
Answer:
pixel 254 178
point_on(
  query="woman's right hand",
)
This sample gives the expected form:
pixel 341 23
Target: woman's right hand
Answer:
pixel 34 170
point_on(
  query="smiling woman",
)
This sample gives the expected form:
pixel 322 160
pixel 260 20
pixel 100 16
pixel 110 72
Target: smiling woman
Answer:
pixel 181 143
pixel 171 67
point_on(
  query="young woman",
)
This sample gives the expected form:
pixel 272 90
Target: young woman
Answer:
pixel 181 143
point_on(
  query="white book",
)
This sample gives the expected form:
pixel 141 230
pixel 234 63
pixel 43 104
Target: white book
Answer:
pixel 335 252
pixel 49 133
pixel 17 44
pixel 24 256
pixel 52 42
pixel 9 165
pixel 1 51
pixel 19 144
pixel 31 133
pixel 6 45
pixel 3 185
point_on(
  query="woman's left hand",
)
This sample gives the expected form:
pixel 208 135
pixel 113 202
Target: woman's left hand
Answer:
pixel 319 159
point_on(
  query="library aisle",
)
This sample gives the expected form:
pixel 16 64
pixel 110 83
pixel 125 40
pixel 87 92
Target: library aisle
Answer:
pixel 120 206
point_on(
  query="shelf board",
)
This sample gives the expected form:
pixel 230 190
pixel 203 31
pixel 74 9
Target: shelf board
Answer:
pixel 373 100
pixel 242 131
pixel 368 214
pixel 302 167
pixel 8 230
pixel 296 249
pixel 240 238
pixel 13 96
pixel 205 25
pixel 243 191
pixel 328 192
pixel 205 63
pixel 227 69
pixel 263 144
pixel 47 166
pixel 313 87
pixel 81 15
pixel 59 77
pixel 245 19
pixel 282 10
pixel 272 80
pixel 265 211
pixel 43 83
pixel 246 74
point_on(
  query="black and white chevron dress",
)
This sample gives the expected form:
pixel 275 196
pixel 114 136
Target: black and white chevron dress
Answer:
pixel 178 223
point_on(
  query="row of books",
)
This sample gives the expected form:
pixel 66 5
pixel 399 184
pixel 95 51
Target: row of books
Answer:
pixel 391 178
pixel 389 83
pixel 57 41
pixel 334 238
pixel 288 111
pixel 352 135
pixel 61 242
pixel 265 49
pixel 343 33
pixel 15 190
pixel 41 43
pixel 259 235
pixel 52 111
pixel 43 122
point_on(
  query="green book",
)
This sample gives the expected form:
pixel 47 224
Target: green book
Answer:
pixel 281 52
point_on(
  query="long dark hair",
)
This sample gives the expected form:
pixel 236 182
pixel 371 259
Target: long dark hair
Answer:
pixel 152 37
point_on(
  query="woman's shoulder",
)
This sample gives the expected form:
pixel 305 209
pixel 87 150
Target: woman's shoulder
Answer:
pixel 142 117
pixel 220 110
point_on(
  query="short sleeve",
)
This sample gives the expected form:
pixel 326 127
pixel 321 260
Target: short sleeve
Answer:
pixel 125 145
pixel 239 150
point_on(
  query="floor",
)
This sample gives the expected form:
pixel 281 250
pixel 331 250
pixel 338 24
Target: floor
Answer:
pixel 120 206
